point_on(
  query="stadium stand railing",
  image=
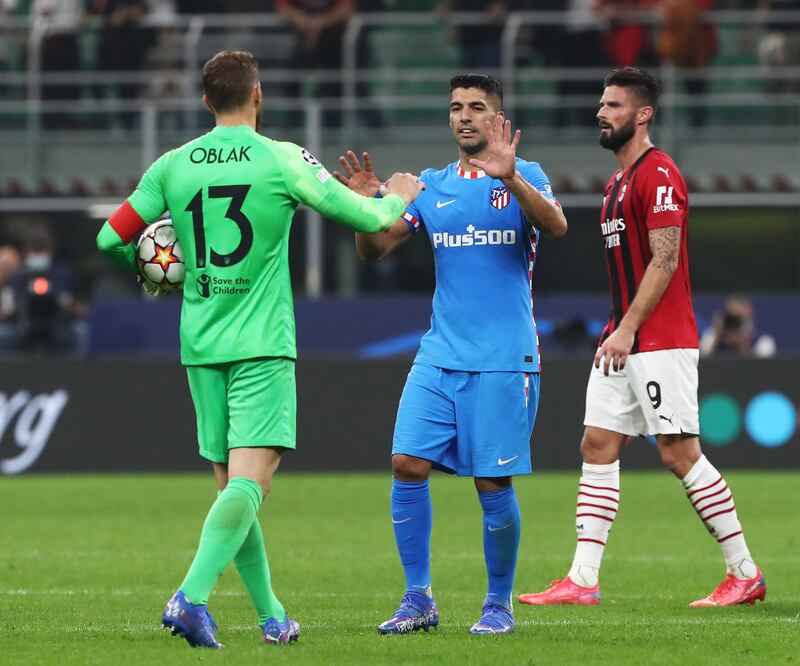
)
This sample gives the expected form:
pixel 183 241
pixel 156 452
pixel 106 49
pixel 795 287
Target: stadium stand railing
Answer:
pixel 397 64
pixel 411 63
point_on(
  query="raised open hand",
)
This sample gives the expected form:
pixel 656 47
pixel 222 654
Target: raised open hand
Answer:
pixel 500 162
pixel 362 181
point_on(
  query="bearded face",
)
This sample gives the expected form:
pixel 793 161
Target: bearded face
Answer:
pixel 614 138
pixel 617 117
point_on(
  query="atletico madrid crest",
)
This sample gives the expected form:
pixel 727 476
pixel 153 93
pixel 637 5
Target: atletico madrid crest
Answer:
pixel 499 197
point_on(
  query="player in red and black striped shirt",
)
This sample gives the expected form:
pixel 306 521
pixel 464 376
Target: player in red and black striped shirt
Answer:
pixel 644 380
pixel 648 199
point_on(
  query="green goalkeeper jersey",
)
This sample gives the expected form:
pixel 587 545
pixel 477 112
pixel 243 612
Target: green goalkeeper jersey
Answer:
pixel 231 194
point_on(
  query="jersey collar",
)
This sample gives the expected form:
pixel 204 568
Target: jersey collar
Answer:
pixel 469 174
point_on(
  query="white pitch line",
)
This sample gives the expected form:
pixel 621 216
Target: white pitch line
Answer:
pixel 223 593
pixel 583 624
pixel 19 592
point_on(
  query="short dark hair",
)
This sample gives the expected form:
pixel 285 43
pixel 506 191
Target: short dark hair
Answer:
pixel 490 85
pixel 228 79
pixel 644 85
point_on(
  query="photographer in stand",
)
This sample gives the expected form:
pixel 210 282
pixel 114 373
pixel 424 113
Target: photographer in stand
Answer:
pixel 46 314
pixel 733 331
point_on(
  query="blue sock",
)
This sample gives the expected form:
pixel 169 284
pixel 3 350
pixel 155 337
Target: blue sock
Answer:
pixel 501 528
pixel 411 518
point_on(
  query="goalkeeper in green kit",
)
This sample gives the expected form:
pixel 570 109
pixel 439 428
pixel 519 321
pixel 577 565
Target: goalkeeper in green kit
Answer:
pixel 231 194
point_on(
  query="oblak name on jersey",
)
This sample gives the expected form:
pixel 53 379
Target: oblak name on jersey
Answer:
pixel 219 155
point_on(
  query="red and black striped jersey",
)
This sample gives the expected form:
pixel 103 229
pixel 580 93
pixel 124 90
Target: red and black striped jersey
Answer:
pixel 650 194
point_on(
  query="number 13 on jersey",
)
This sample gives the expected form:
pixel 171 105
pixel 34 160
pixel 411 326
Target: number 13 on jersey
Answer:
pixel 237 194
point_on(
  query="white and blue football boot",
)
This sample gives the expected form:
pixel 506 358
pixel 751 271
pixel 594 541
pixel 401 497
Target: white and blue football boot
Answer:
pixel 495 619
pixel 417 610
pixel 280 632
pixel 190 621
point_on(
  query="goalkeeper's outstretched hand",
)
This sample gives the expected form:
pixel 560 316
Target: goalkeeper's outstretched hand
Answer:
pixel 362 181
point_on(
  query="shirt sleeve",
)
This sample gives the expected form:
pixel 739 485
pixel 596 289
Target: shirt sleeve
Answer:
pixel 536 176
pixel 662 194
pixel 413 214
pixel 413 218
pixel 148 199
pixel 309 183
pixel 146 205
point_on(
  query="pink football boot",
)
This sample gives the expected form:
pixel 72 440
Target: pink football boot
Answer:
pixel 734 591
pixel 564 592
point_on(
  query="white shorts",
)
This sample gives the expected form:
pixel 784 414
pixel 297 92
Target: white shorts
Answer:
pixel 655 394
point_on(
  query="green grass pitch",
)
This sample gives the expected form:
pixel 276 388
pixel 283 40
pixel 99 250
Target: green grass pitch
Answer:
pixel 88 562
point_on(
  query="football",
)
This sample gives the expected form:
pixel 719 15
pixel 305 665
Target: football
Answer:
pixel 160 256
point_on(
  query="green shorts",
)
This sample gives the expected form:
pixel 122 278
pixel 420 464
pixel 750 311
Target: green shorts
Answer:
pixel 243 404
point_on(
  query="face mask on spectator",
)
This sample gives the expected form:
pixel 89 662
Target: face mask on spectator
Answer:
pixel 38 261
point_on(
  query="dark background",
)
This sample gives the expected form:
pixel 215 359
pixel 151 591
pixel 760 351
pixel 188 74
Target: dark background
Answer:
pixel 136 415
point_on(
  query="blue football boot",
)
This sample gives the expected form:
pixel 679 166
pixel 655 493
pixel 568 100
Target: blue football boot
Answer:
pixel 284 632
pixel 495 619
pixel 417 611
pixel 190 621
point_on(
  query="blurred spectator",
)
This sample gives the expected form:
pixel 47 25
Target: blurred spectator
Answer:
pixel 166 77
pixel 369 114
pixel 582 47
pixel 7 8
pixel 245 6
pixel 627 41
pixel 480 45
pixel 547 40
pixel 123 42
pixel 688 42
pixel 60 50
pixel 319 27
pixel 45 312
pixel 162 12
pixel 733 331
pixel 778 50
pixel 200 6
pixel 10 263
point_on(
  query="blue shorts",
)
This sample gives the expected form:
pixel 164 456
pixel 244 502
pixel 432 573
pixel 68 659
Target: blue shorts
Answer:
pixel 468 423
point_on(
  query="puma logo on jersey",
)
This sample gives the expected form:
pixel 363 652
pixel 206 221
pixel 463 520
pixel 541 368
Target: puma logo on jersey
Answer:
pixel 220 156
pixel 666 171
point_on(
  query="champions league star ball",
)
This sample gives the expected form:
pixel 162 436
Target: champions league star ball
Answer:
pixel 160 256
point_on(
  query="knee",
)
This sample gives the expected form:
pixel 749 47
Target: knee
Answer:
pixel 408 468
pixel 674 462
pixel 676 459
pixel 493 484
pixel 595 451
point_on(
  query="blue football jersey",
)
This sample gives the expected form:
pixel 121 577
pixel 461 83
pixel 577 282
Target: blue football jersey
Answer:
pixel 485 250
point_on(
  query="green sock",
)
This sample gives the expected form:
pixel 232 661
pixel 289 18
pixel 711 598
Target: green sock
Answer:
pixel 251 562
pixel 226 527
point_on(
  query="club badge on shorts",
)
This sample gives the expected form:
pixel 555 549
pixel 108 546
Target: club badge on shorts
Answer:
pixel 499 198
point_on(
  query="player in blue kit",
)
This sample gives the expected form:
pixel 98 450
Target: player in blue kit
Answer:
pixel 470 399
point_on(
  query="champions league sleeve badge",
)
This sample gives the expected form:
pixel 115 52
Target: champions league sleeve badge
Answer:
pixel 309 158
pixel 499 197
